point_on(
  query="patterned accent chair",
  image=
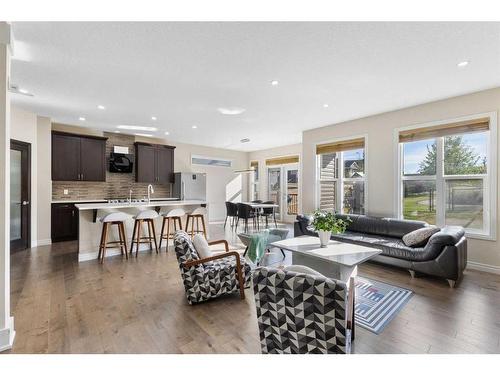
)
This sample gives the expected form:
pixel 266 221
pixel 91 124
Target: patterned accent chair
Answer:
pixel 207 278
pixel 300 314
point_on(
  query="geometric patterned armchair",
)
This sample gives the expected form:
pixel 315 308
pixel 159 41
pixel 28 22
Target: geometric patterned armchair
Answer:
pixel 208 278
pixel 300 313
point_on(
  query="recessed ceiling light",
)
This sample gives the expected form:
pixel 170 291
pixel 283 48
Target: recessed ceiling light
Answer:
pixel 167 133
pixel 101 107
pixel 194 127
pixel 245 140
pixel 463 64
pixel 274 83
pixel 143 135
pixel 81 118
pixel 137 127
pixel 231 111
pixel 23 91
pixel 117 131
pixel 153 118
pixel 325 105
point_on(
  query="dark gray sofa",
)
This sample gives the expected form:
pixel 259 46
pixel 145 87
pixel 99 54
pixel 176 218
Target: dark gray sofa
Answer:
pixel 444 255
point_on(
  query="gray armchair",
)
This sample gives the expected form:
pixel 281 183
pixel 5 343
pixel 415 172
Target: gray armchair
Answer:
pixel 299 313
pixel 207 278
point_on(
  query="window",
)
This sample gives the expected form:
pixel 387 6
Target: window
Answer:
pixel 445 175
pixel 341 173
pixel 254 181
pixel 212 162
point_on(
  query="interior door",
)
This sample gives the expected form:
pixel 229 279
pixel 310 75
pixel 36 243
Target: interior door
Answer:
pixel 291 189
pixel 92 159
pixel 274 190
pixel 20 191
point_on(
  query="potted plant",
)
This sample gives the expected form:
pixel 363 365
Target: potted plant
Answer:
pixel 326 223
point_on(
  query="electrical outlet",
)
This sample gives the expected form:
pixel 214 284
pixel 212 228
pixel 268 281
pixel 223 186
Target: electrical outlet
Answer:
pixel 65 191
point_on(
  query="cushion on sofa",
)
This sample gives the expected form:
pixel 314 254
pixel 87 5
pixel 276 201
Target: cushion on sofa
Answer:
pixel 419 237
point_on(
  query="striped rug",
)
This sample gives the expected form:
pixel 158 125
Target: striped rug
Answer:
pixel 377 303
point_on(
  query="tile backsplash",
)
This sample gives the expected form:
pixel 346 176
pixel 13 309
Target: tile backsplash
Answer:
pixel 117 185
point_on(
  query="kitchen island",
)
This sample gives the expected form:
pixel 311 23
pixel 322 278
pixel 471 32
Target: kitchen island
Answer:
pixel 89 226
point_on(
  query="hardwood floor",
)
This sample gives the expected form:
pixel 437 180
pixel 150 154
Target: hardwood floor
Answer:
pixel 139 306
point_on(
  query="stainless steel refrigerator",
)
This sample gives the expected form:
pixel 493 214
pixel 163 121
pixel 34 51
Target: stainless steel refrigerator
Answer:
pixel 190 186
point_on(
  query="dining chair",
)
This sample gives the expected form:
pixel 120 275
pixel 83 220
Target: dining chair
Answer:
pixel 245 212
pixel 232 212
pixel 268 212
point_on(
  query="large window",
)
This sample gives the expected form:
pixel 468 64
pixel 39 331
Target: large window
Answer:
pixel 445 175
pixel 341 176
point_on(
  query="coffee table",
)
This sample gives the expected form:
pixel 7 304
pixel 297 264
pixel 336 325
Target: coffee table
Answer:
pixel 338 260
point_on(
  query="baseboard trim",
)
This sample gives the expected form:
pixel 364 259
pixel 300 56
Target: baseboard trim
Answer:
pixel 483 267
pixel 7 336
pixel 44 242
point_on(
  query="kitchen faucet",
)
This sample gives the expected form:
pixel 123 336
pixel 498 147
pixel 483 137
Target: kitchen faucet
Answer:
pixel 150 190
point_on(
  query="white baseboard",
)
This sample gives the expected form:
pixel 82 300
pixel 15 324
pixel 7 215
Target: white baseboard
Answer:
pixel 483 267
pixel 43 242
pixel 7 336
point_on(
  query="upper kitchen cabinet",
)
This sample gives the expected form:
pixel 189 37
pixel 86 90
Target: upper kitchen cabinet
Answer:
pixel 154 163
pixel 78 157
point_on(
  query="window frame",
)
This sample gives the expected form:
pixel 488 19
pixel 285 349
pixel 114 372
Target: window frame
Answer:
pixel 255 182
pixel 489 179
pixel 339 181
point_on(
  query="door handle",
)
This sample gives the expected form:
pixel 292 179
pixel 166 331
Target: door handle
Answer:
pixel 25 203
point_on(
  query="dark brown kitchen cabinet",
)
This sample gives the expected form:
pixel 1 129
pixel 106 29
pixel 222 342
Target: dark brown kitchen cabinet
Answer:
pixel 78 157
pixel 154 163
pixel 64 222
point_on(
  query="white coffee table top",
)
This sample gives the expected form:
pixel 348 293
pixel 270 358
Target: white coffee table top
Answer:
pixel 342 253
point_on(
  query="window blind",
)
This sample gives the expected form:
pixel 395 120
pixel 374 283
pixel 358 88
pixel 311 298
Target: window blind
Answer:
pixel 469 126
pixel 330 148
pixel 283 160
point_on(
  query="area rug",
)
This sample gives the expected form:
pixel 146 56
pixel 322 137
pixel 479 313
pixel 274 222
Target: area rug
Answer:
pixel 377 303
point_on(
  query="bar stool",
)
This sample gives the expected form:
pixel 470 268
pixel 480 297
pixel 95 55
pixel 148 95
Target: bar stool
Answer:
pixel 118 219
pixel 197 215
pixel 172 217
pixel 146 216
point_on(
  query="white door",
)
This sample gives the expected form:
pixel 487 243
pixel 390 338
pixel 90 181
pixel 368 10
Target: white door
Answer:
pixel 274 183
pixel 283 189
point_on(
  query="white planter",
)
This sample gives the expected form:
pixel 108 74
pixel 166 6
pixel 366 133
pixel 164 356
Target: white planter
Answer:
pixel 324 237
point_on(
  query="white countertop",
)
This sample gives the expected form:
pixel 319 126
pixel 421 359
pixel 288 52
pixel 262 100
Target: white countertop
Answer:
pixel 102 206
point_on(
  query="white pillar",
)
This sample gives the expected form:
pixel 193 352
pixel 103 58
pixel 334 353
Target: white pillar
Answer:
pixel 7 332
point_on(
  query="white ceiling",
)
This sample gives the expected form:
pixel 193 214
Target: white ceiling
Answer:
pixel 182 72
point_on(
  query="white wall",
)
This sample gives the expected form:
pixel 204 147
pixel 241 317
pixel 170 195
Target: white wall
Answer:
pixel 24 128
pixel 380 161
pixel 44 180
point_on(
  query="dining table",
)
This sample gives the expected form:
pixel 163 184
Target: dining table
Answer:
pixel 257 207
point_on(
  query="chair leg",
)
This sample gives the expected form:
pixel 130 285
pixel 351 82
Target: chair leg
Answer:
pixel 121 226
pixel 180 224
pixel 240 280
pixel 203 225
pixel 162 229
pixel 225 222
pixel 133 237
pixel 154 234
pixel 105 241
pixel 101 242
pixel 168 232
pixel 274 217
pixel 138 239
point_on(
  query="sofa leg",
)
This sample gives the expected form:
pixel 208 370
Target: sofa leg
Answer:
pixel 451 283
pixel 412 273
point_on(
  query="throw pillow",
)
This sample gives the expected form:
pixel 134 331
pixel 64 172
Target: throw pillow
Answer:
pixel 201 245
pixel 303 269
pixel 419 237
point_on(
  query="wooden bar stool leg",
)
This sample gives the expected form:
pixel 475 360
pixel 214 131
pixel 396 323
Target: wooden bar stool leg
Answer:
pixel 121 226
pixel 168 233
pixel 192 226
pixel 101 242
pixel 133 237
pixel 154 234
pixel 162 229
pixel 204 227
pixel 187 224
pixel 138 239
pixel 105 241
pixel 148 224
pixel 180 223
